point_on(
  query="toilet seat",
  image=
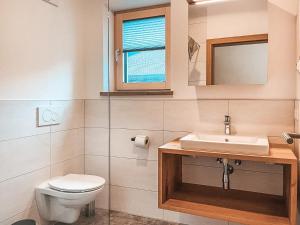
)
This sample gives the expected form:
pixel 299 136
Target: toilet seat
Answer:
pixel 62 198
pixel 75 183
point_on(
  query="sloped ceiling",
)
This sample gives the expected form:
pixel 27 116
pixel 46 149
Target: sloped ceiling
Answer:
pixel 291 6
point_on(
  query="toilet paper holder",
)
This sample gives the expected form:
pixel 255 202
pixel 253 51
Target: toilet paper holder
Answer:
pixel 133 139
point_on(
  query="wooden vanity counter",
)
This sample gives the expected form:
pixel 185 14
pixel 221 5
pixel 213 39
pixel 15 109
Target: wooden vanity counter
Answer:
pixel 231 205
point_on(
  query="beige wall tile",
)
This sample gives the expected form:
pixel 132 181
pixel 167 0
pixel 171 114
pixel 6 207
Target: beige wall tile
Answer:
pixel 122 146
pixel 181 115
pixel 246 165
pixel 66 145
pixel 190 219
pixel 210 176
pixel 134 201
pixel 102 200
pixel 268 183
pixel 20 156
pixel 18 119
pixel 202 115
pixel 74 165
pixel 97 141
pixel 271 118
pixel 201 161
pixel 258 182
pixel 72 114
pixel 259 167
pixel 137 114
pixel 140 174
pixel 96 113
pixel 171 135
pixel 18 194
pixel 97 165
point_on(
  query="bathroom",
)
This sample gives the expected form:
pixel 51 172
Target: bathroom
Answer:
pixel 67 112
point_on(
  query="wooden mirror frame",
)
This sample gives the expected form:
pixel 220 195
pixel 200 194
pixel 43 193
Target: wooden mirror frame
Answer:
pixel 239 40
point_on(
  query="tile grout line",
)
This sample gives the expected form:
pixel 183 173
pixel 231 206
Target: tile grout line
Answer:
pixel 27 173
pixel 51 166
pixel 23 137
pixel 194 99
pixel 39 134
pixel 84 136
pixel 134 188
pixel 236 169
pixel 68 159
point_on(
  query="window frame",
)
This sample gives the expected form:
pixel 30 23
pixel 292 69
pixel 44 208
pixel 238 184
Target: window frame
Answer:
pixel 118 36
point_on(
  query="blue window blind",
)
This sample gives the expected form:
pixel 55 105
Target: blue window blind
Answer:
pixel 144 44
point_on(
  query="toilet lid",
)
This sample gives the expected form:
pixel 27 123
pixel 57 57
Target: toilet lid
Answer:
pixel 75 183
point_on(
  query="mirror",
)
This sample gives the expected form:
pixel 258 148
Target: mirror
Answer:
pixel 228 42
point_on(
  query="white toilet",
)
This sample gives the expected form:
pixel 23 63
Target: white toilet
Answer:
pixel 62 198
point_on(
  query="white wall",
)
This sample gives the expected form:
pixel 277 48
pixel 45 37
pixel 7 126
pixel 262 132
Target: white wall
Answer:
pixel 291 6
pixel 237 18
pixel 96 29
pixel 42 50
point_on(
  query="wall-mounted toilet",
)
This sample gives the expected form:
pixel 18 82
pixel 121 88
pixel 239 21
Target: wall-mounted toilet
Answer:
pixel 62 198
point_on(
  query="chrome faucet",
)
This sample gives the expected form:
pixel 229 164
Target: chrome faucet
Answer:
pixel 227 123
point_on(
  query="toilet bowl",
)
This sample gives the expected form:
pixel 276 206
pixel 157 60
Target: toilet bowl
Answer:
pixel 62 198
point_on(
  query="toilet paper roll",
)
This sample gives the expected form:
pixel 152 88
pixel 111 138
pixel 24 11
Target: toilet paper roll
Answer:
pixel 142 141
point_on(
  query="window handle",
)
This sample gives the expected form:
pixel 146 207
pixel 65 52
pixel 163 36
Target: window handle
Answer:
pixel 117 54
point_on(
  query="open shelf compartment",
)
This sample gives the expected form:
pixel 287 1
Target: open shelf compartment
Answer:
pixel 231 205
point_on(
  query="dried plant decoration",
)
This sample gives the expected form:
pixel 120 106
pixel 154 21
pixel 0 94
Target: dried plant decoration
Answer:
pixel 193 47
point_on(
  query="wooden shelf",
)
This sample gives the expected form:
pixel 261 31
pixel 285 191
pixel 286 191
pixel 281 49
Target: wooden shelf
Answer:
pixel 243 207
pixel 138 93
pixel 232 199
pixel 282 155
pixel 222 213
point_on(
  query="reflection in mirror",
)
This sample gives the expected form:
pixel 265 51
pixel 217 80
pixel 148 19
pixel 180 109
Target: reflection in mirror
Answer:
pixel 229 42
pixel 237 60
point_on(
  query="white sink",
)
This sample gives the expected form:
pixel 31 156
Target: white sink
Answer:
pixel 227 144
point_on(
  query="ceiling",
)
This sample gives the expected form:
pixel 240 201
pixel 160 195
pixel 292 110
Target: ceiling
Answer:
pixel 117 5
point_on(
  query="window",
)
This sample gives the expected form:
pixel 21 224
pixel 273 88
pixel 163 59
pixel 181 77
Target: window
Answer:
pixel 142 49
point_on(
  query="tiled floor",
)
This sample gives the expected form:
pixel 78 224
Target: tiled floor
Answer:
pixel 117 218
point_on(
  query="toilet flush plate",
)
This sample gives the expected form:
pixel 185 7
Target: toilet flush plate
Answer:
pixel 49 115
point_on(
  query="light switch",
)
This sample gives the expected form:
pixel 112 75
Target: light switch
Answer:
pixel 49 115
pixel 298 66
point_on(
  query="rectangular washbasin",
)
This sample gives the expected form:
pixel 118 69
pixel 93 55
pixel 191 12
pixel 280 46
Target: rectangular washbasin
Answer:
pixel 226 144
